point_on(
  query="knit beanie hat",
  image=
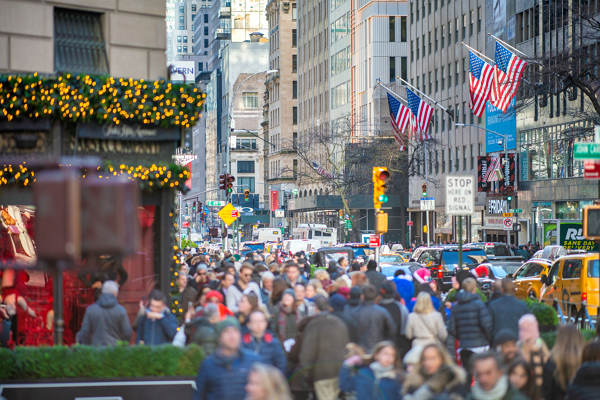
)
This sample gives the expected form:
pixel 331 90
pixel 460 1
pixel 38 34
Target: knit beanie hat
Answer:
pixel 355 294
pixel 462 275
pixel 344 292
pixel 505 335
pixel 337 302
pixel 387 290
pixel 290 292
pixel 227 323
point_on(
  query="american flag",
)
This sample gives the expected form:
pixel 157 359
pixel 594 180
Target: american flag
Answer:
pixel 320 170
pixel 422 113
pixel 481 75
pixel 507 75
pixel 400 118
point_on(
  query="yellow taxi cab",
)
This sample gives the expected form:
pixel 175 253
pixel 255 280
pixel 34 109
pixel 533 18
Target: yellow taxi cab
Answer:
pixel 572 280
pixel 527 278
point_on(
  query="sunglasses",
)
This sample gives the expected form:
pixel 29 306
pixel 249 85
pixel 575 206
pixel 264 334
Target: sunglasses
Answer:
pixel 247 275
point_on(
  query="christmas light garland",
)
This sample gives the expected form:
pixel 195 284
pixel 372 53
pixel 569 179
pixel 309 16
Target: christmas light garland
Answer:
pixel 103 99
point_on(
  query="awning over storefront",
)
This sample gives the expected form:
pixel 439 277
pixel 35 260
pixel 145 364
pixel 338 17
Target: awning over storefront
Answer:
pixel 255 219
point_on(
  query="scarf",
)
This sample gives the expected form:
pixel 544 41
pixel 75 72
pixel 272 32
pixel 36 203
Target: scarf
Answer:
pixel 496 393
pixel 282 322
pixel 227 361
pixel 381 372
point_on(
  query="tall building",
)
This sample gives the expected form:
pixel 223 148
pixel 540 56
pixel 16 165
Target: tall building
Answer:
pixel 180 26
pixel 281 109
pixel 439 67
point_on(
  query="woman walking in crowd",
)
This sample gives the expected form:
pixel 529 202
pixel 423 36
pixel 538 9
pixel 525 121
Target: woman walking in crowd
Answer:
pixel 531 346
pixel 433 375
pixel 287 317
pixel 563 362
pixel 425 325
pixel 279 286
pixel 266 382
pixel 586 383
pixel 247 305
pixel 376 377
pixel 520 375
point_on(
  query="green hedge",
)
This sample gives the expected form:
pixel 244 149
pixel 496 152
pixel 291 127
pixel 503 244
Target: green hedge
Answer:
pixel 96 362
pixel 550 337
pixel 545 314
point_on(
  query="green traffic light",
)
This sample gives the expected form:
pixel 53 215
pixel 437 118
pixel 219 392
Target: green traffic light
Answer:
pixel 509 198
pixel 383 198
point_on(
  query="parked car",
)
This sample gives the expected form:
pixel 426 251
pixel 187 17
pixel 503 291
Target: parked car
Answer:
pixel 389 269
pixel 572 279
pixel 527 279
pixel 321 257
pixel 443 262
pixel 497 251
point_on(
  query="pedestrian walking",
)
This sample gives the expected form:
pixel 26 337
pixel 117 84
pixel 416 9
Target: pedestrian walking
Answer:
pixel 523 253
pixel 376 377
pixel 292 274
pixel 470 323
pixel 337 302
pixel 506 310
pixel 322 352
pixel 260 341
pixel 506 344
pixel 187 294
pixel 492 383
pixel 106 321
pixel 157 326
pixel 374 323
pixel 433 375
pixel 586 385
pixel 266 289
pixel 425 324
pixel 287 317
pixel 521 377
pixel 203 331
pixel 266 382
pixel 354 299
pixel 564 360
pixel 243 285
pixel 399 314
pixel 303 305
pixel 532 347
pixel 247 305
pixel 224 374
pixel 375 278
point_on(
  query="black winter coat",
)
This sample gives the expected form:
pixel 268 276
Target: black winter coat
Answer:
pixel 470 321
pixel 585 384
pixel 374 324
pixel 505 312
pixel 375 278
pixel 551 389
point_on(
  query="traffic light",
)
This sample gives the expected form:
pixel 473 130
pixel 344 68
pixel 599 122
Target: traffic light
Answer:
pixel 424 188
pixel 380 179
pixel 341 214
pixel 229 183
pixel 247 194
pixel 591 222
pixel 381 223
pixel 194 207
pixel 223 182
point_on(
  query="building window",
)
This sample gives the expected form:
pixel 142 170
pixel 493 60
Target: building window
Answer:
pixel 295 115
pixel 464 27
pixel 295 140
pixel 456 32
pixel 295 168
pixel 449 76
pixel 250 100
pixel 457 160
pixel 294 12
pixel 417 43
pixel 430 83
pixel 181 19
pixel 178 39
pixel 437 154
pixel 181 9
pixel 206 31
pixel 464 70
pixel 443 78
pixel 478 19
pixel 435 34
pixel 246 183
pixel 392 69
pixel 480 152
pixel 392 29
pixel 443 160
pixel 450 165
pixel 429 42
pixel 403 68
pixel 206 43
pixel 193 7
pixel 206 18
pixel 179 49
pixel 436 80
pixel 457 73
pixel 472 156
pixel 246 144
pixel 181 28
pixel 411 14
pixel 412 51
pixel 200 66
pixel 417 6
pixel 185 39
pixel 464 158
pixel 294 63
pixel 245 167
pixel 185 49
pixel 403 29
pixel 294 38
pixel 449 33
pixel 472 15
pixel 295 89
pixel 79 42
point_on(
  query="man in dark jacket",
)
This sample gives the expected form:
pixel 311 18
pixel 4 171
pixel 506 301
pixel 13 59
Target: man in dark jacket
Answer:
pixel 375 278
pixel 202 330
pixel 187 294
pixel 224 374
pixel 157 325
pixel 105 321
pixel 374 323
pixel 399 314
pixel 523 253
pixel 470 323
pixel 353 300
pixel 337 302
pixel 506 310
pixel 260 341
pixel 323 349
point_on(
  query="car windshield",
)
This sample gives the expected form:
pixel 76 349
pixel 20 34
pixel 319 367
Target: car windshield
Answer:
pixel 390 259
pixel 470 256
pixel 389 271
pixel 499 272
pixel 335 256
pixel 255 246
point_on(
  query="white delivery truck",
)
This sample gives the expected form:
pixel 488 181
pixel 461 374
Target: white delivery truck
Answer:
pixel 267 235
pixel 326 236
pixel 296 245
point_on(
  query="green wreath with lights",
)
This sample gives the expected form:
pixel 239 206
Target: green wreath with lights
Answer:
pixel 101 99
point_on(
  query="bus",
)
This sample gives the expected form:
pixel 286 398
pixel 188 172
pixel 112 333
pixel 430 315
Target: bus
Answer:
pixel 327 236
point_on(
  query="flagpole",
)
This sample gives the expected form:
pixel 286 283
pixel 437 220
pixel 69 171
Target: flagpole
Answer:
pixel 393 93
pixel 429 98
pixel 481 54
pixel 508 45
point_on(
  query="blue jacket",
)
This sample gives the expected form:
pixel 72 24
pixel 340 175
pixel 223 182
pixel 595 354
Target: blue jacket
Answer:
pixel 405 288
pixel 269 348
pixel 367 387
pixel 160 331
pixel 218 381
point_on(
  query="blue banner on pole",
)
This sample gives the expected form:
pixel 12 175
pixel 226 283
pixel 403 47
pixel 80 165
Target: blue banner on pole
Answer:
pixel 502 123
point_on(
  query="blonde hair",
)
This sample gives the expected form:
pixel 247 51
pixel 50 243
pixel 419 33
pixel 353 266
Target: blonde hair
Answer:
pixel 424 305
pixel 566 354
pixel 321 273
pixel 415 379
pixel 469 285
pixel 368 359
pixel 273 381
pixel 316 284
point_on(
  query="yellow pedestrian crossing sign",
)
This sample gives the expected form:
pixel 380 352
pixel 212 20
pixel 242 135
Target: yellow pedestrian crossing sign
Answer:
pixel 226 214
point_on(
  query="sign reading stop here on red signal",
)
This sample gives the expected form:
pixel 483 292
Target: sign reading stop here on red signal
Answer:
pixel 460 195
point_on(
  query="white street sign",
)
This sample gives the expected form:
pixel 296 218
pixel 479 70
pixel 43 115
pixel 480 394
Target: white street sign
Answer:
pixel 460 195
pixel 507 224
pixel 427 203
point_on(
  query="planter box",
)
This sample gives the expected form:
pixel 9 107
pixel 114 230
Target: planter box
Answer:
pixel 146 388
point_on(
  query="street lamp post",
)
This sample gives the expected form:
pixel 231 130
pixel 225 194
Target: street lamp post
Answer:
pixel 506 162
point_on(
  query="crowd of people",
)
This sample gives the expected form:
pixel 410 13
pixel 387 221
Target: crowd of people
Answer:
pixel 273 329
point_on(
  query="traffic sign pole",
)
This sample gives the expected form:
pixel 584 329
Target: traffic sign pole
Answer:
pixel 460 258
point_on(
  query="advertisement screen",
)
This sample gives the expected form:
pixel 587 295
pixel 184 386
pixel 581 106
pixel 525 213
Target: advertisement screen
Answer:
pixel 504 124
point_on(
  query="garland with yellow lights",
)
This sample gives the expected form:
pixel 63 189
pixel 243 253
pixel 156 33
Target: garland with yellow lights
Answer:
pixel 101 99
pixel 148 178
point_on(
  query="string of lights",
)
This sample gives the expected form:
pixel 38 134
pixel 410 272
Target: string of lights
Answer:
pixel 83 98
